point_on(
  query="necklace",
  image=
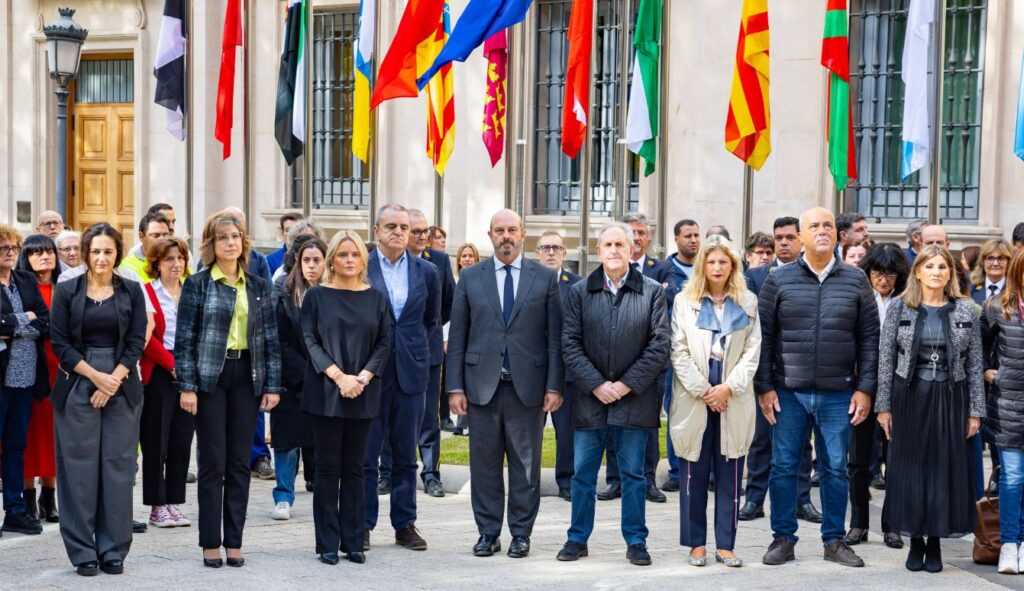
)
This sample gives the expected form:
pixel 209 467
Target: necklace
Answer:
pixel 934 357
pixel 717 300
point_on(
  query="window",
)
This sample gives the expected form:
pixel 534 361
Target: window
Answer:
pixel 106 81
pixel 556 177
pixel 877 31
pixel 340 180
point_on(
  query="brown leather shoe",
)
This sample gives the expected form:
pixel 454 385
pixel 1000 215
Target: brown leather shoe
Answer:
pixel 839 551
pixel 780 552
pixel 410 538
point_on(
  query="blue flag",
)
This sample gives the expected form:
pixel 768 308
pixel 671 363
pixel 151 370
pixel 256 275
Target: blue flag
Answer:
pixel 1018 142
pixel 480 20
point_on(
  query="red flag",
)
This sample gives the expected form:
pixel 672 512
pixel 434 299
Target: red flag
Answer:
pixel 496 52
pixel 577 77
pixel 226 85
pixel 401 65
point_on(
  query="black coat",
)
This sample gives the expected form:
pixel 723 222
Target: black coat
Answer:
pixel 447 279
pixel 31 301
pixel 1003 342
pixel 616 338
pixel 291 428
pixel 818 335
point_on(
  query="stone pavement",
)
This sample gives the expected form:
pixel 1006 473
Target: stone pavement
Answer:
pixel 279 556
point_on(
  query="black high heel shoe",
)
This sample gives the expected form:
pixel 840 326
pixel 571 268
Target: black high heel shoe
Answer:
pixel 855 536
pixel 933 556
pixel 915 558
pixel 213 562
pixel 236 562
pixel 893 540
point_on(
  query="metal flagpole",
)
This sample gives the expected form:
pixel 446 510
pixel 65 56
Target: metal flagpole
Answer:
pixel 748 201
pixel 510 113
pixel 247 120
pixel 307 147
pixel 374 123
pixel 438 199
pixel 189 146
pixel 662 229
pixel 520 200
pixel 585 181
pixel 621 181
pixel 935 184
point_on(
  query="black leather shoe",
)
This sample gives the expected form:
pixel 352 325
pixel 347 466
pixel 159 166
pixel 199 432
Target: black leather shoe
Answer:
pixel 447 425
pixel 356 557
pixel 878 482
pixel 519 548
pixel 487 546
pixel 213 562
pixel 384 486
pixel 88 569
pixel 139 527
pixel 235 562
pixel 48 505
pixel 654 495
pixel 565 494
pixel 330 558
pixel 671 485
pixel 434 488
pixel 613 491
pixel 893 540
pixel 750 512
pixel 933 556
pixel 309 486
pixel 113 567
pixel 191 478
pixel 22 524
pixel 572 551
pixel 855 536
pixel 638 555
pixel 808 512
pixel 915 558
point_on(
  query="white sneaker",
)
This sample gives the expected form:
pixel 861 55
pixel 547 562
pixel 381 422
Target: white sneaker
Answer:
pixel 283 512
pixel 1020 558
pixel 1009 560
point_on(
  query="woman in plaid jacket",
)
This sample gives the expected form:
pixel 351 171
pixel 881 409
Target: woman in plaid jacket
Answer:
pixel 228 363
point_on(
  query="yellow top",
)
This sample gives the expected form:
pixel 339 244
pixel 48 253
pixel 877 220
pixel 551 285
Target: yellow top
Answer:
pixel 238 331
pixel 139 266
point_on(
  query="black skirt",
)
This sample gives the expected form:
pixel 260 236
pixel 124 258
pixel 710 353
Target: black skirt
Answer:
pixel 929 481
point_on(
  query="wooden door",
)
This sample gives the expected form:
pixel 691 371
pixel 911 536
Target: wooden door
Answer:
pixel 103 177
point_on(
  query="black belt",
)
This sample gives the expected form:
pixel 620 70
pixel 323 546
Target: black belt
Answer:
pixel 505 376
pixel 235 353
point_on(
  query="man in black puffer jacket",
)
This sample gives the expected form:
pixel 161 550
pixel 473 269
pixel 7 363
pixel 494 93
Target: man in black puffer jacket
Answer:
pixel 615 340
pixel 819 360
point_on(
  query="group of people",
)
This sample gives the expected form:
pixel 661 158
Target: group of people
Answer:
pixel 360 352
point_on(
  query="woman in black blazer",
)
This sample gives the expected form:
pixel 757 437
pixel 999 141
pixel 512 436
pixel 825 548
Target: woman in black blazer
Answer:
pixel 347 329
pixel 98 331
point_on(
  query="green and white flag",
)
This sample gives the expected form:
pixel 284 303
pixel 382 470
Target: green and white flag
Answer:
pixel 642 116
pixel 290 114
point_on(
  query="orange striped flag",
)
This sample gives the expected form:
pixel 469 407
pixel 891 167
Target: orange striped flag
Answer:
pixel 748 126
pixel 440 97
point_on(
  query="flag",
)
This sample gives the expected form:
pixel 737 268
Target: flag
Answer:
pixel 169 66
pixel 363 79
pixel 642 116
pixel 917 116
pixel 402 62
pixel 576 104
pixel 496 52
pixel 481 20
pixel 290 115
pixel 835 56
pixel 440 98
pixel 748 123
pixel 1018 141
pixel 226 84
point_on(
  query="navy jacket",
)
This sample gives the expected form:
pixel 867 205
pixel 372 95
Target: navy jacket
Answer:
pixel 409 366
pixel 566 279
pixel 444 271
pixel 979 294
pixel 756 276
pixel 662 272
pixel 276 259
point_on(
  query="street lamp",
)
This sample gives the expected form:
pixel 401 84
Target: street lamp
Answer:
pixel 64 39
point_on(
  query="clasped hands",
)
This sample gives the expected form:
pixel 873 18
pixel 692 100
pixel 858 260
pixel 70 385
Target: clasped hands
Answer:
pixel 350 386
pixel 717 397
pixel 107 385
pixel 610 392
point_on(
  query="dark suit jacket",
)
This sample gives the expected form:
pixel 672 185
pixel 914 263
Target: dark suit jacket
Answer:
pixel 756 276
pixel 566 279
pixel 409 366
pixel 68 310
pixel 662 272
pixel 31 301
pixel 478 337
pixel 979 294
pixel 444 271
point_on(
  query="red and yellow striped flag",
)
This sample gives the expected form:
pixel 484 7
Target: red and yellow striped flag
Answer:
pixel 440 97
pixel 748 125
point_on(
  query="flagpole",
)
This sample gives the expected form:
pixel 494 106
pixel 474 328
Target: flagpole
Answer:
pixel 374 121
pixel 748 201
pixel 621 182
pixel 438 199
pixel 246 119
pixel 935 188
pixel 520 134
pixel 189 147
pixel 307 146
pixel 587 160
pixel 662 229
pixel 510 112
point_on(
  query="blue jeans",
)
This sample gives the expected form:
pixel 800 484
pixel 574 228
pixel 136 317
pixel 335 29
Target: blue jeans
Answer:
pixel 259 441
pixel 629 445
pixel 1011 499
pixel 832 434
pixel 15 412
pixel 286 465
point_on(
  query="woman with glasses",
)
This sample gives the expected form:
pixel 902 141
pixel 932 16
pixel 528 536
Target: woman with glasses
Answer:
pixel 989 276
pixel 39 257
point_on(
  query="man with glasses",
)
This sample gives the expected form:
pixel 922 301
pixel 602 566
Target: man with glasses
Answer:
pixel 69 249
pixel 50 223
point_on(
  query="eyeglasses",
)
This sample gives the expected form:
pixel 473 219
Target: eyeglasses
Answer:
pixel 551 248
pixel 883 275
pixel 51 224
pixel 69 249
pixel 996 260
pixel 10 249
pixel 422 232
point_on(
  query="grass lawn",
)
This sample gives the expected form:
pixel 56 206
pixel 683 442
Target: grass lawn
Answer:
pixel 455 450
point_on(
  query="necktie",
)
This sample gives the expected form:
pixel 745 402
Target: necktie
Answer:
pixel 635 266
pixel 992 290
pixel 507 301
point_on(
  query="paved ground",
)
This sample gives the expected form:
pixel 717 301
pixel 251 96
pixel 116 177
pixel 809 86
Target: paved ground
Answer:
pixel 279 556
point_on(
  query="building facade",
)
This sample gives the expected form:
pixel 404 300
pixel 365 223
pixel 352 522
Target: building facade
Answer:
pixel 121 158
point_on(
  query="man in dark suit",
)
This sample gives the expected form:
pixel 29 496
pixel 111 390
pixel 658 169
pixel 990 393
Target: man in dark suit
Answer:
pixel 914 243
pixel 414 297
pixel 551 253
pixel 786 231
pixel 505 371
pixel 660 271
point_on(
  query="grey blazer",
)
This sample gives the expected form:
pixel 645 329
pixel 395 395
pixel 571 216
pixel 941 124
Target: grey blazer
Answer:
pixel 898 351
pixel 477 336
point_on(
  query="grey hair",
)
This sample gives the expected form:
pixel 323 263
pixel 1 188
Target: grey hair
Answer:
pixel 635 217
pixel 913 227
pixel 301 226
pixel 68 234
pixel 621 226
pixel 391 207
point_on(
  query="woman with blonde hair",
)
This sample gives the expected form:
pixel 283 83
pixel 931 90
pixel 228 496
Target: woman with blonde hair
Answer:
pixel 346 326
pixel 930 399
pixel 989 275
pixel 716 344
pixel 466 256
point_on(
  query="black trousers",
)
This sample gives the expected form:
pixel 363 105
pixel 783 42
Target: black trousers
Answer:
pixel 338 490
pixel 225 422
pixel 562 421
pixel 166 439
pixel 858 464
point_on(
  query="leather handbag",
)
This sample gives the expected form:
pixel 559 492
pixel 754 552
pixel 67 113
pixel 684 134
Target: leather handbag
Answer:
pixel 986 534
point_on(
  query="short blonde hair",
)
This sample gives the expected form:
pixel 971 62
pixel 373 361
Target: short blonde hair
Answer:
pixel 697 287
pixel 213 224
pixel 997 245
pixel 913 294
pixel 10 234
pixel 332 250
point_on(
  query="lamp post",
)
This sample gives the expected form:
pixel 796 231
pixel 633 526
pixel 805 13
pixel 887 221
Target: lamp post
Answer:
pixel 64 39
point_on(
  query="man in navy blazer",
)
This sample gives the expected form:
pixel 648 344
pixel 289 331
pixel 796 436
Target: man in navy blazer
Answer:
pixel 505 370
pixel 414 298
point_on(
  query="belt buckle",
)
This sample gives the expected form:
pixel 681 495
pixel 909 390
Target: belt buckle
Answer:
pixel 233 354
pixel 505 376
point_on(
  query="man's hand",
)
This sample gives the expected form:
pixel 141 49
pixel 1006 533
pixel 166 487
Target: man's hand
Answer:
pixel 457 403
pixel 860 407
pixel 769 403
pixel 552 401
pixel 621 389
pixel 606 393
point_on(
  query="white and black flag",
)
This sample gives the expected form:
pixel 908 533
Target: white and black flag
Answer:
pixel 169 67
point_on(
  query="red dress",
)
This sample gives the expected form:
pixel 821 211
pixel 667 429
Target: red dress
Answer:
pixel 40 448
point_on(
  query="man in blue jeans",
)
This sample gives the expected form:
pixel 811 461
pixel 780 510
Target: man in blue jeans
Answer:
pixel 615 340
pixel 819 360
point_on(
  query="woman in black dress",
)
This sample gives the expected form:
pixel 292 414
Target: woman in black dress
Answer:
pixel 930 400
pixel 292 429
pixel 347 329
